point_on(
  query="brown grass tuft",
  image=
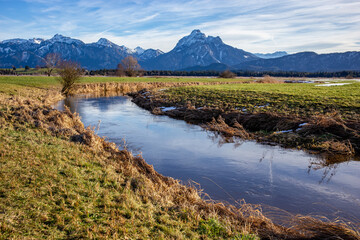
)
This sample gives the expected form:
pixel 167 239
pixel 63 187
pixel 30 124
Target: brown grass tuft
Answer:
pixel 269 79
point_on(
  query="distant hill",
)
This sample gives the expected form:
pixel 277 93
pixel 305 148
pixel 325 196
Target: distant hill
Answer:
pixel 306 62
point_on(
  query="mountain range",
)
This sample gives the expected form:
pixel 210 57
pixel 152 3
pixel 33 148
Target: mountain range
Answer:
pixel 194 52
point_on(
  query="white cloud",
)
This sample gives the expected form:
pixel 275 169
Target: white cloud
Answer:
pixel 256 26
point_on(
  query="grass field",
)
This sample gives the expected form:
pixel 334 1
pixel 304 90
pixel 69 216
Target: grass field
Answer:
pixel 301 99
pixel 44 81
pixel 53 187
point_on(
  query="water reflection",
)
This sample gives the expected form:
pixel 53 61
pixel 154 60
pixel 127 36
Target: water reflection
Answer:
pixel 228 169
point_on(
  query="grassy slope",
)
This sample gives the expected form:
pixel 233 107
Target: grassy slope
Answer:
pixel 51 188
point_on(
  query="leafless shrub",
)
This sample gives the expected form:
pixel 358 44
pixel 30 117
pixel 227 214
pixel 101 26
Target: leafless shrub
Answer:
pixel 227 74
pixel 70 72
pixel 269 79
pixel 129 66
pixel 349 76
pixel 52 60
pixel 120 72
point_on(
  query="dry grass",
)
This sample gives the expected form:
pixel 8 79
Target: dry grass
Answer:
pixel 126 87
pixel 269 79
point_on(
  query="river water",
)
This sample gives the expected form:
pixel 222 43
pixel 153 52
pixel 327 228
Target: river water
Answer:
pixel 291 180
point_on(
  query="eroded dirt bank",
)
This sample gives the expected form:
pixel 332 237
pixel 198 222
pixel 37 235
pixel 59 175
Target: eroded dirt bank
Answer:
pixel 319 133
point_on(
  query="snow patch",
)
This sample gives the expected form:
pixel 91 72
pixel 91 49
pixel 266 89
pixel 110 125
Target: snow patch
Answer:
pixel 139 50
pixel 262 106
pixel 283 131
pixel 104 42
pixel 15 41
pixel 164 109
pixel 332 84
pixel 303 124
pixel 7 50
pixel 63 39
pixel 25 56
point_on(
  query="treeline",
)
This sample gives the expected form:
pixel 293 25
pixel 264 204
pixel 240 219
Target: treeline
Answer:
pixel 7 72
pixel 114 72
pixel 342 74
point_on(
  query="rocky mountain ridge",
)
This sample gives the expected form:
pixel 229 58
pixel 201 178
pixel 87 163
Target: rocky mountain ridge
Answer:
pixel 195 51
pixel 98 55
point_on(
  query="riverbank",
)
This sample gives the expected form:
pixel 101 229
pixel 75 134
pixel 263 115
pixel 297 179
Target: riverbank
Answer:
pixel 309 122
pixel 60 180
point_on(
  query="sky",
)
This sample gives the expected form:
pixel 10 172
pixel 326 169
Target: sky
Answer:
pixel 256 26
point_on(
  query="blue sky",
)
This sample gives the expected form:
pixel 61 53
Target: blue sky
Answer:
pixel 256 26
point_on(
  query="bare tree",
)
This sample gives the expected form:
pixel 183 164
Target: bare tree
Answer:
pixel 131 66
pixel 70 73
pixel 120 70
pixel 227 74
pixel 51 61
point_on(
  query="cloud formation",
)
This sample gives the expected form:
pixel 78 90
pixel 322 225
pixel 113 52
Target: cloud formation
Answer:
pixel 255 26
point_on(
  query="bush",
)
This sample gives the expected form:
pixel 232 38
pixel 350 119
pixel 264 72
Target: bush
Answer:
pixel 227 74
pixel 70 73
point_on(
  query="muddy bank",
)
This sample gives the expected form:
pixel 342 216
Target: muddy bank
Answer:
pixel 319 133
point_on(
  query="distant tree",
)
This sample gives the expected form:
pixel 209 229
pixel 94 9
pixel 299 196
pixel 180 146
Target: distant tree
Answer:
pixel 14 68
pixel 120 70
pixel 131 66
pixel 51 62
pixel 70 73
pixel 227 74
pixel 350 76
pixel 27 67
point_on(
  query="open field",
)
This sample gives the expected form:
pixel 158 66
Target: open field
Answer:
pixel 59 180
pixel 300 99
pixel 44 81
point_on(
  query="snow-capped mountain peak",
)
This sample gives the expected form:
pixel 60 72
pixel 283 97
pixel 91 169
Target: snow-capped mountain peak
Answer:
pixel 36 40
pixel 63 39
pixel 15 41
pixel 105 42
pixel 194 37
pixel 271 55
pixel 139 50
pixel 215 40
pixel 197 49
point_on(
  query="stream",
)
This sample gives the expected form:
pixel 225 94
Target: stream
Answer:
pixel 227 170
